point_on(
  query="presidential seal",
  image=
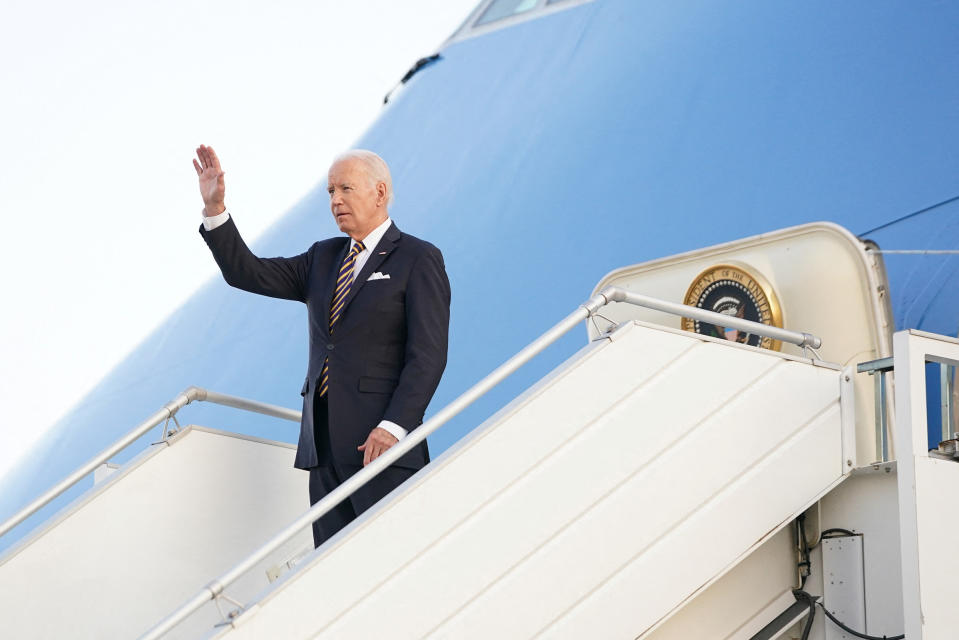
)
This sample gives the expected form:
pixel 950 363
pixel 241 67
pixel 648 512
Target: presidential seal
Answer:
pixel 735 290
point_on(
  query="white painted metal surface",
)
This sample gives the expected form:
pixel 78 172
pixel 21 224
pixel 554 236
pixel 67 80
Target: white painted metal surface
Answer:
pixel 844 588
pixel 606 498
pixel 927 492
pixel 163 416
pixel 867 503
pixel 743 601
pixel 826 282
pixel 141 540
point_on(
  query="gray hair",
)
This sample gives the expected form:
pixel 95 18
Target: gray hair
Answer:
pixel 375 166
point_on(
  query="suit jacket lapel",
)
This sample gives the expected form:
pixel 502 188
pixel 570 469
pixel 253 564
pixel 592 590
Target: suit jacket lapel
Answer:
pixel 380 253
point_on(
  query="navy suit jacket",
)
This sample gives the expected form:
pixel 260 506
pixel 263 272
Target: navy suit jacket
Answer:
pixel 388 349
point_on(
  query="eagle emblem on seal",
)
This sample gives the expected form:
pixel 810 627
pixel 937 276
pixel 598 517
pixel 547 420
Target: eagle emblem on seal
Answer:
pixel 739 291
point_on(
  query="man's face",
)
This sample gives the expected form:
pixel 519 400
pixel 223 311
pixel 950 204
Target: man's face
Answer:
pixel 358 205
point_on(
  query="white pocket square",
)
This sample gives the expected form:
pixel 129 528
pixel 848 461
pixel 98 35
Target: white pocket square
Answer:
pixel 378 276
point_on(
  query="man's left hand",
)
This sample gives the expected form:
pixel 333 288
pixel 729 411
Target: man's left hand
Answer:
pixel 376 444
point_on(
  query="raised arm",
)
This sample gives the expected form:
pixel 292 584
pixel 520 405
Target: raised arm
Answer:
pixel 274 277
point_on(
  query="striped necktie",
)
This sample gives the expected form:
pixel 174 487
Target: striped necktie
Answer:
pixel 343 283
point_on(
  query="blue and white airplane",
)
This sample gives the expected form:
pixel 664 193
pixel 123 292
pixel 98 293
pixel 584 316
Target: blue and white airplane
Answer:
pixel 552 148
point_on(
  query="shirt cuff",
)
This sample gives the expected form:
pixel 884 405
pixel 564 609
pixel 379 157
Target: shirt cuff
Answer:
pixel 212 222
pixel 396 430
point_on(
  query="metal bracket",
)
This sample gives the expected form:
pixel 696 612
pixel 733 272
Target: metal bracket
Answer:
pixel 609 329
pixel 878 369
pixel 948 397
pixel 847 405
pixel 166 432
pixel 229 616
pixel 806 348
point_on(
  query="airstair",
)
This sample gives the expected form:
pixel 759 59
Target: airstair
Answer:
pixel 145 535
pixel 605 498
pixel 604 495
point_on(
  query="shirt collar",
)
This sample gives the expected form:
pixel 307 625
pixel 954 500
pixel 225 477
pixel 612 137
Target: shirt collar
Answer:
pixel 374 237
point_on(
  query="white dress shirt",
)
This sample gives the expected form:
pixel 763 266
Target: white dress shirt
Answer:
pixel 369 243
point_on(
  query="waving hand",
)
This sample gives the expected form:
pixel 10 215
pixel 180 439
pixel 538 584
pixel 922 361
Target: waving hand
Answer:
pixel 212 184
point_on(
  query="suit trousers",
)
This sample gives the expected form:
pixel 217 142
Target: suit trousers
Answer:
pixel 327 476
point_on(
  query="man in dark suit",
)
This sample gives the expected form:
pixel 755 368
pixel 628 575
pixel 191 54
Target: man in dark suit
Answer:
pixel 378 305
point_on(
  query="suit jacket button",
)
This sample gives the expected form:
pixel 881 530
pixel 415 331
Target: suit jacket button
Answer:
pixel 330 346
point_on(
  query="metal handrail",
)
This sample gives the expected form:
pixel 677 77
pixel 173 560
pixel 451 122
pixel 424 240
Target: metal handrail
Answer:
pixel 805 340
pixel 444 415
pixel 190 394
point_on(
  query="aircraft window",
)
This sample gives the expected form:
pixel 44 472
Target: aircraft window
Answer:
pixel 499 9
pixel 490 15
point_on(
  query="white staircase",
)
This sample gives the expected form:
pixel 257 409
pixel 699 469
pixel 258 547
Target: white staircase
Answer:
pixel 139 542
pixel 597 504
